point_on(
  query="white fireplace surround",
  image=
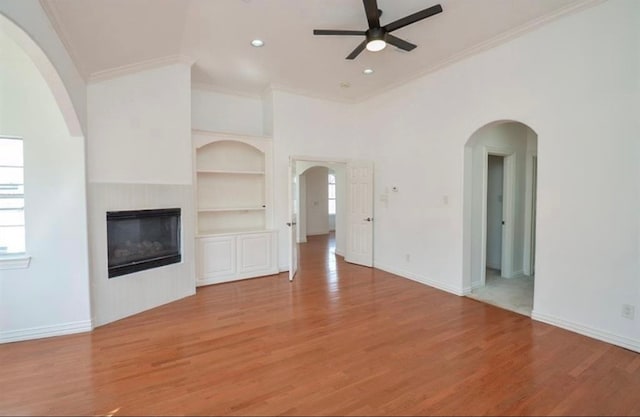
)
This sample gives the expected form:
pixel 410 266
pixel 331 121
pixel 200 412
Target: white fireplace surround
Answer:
pixel 113 299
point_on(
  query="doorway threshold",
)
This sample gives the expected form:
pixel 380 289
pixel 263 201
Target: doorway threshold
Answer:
pixel 513 294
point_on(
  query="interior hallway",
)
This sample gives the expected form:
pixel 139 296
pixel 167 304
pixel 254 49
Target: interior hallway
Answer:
pixel 340 340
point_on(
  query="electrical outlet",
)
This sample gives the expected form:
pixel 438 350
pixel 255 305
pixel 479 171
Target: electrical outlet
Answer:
pixel 628 311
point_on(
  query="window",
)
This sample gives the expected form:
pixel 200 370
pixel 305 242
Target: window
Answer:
pixel 12 233
pixel 332 194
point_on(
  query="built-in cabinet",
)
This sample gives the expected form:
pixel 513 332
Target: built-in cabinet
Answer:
pixel 234 207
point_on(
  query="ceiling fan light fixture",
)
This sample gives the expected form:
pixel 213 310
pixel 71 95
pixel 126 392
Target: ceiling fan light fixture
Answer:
pixel 378 36
pixel 376 45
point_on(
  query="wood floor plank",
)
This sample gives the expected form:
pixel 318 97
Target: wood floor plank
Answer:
pixel 340 340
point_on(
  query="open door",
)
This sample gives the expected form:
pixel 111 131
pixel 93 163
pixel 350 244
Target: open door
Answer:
pixel 534 188
pixel 293 220
pixel 508 215
pixel 360 213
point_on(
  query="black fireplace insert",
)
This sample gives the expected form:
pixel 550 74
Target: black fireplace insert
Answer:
pixel 142 239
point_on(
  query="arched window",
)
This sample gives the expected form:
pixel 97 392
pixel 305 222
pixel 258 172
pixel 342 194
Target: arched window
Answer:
pixel 332 194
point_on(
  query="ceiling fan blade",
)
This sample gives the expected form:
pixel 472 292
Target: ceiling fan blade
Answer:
pixel 423 14
pixel 373 15
pixel 400 43
pixel 339 32
pixel 358 49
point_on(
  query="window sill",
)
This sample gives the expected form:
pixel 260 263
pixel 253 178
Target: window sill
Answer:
pixel 18 261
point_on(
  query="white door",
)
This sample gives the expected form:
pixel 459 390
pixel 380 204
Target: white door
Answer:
pixel 494 211
pixel 508 215
pixel 360 213
pixel 533 214
pixel 293 220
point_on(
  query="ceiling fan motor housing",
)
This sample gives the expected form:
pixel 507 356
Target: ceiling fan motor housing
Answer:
pixel 375 34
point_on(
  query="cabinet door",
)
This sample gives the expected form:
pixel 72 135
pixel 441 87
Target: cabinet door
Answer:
pixel 256 254
pixel 217 256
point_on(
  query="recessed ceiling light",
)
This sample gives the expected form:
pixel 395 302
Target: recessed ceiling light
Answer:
pixel 368 71
pixel 257 43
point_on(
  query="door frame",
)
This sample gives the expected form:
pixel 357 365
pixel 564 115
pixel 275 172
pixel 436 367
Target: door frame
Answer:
pixel 305 158
pixel 508 210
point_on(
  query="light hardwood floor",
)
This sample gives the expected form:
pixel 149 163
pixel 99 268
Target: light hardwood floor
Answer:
pixel 341 339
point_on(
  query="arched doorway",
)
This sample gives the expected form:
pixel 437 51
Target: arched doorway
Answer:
pixel 499 208
pixel 321 202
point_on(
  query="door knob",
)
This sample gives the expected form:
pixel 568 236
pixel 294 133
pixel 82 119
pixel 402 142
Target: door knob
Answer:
pixel 291 224
pixel 368 219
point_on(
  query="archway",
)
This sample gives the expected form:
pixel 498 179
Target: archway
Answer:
pixel 314 199
pixel 50 295
pixel 499 214
pixel 47 71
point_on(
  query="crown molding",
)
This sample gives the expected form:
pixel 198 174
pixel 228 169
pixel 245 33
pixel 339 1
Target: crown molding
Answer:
pixel 266 91
pixel 223 90
pixel 49 8
pixel 139 67
pixel 497 40
pixel 311 94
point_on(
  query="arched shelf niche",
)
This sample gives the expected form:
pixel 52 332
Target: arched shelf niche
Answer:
pixel 234 207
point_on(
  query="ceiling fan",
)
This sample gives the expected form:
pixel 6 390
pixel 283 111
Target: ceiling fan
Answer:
pixel 377 37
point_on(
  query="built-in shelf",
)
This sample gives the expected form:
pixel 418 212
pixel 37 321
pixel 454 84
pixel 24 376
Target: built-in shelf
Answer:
pixel 229 172
pixel 234 208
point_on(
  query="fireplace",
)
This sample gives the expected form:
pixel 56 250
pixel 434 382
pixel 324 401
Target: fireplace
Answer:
pixel 142 239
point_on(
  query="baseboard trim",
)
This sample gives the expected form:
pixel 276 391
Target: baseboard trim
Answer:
pixel 423 280
pixel 46 331
pixel 602 335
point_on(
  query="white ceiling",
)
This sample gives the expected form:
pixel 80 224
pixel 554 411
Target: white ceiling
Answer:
pixel 107 34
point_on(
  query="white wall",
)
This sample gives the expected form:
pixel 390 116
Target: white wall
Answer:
pixel 29 15
pixel 495 171
pixel 218 112
pixel 51 296
pixel 305 126
pixel 134 117
pixel 317 217
pixel 574 81
pixel 140 157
